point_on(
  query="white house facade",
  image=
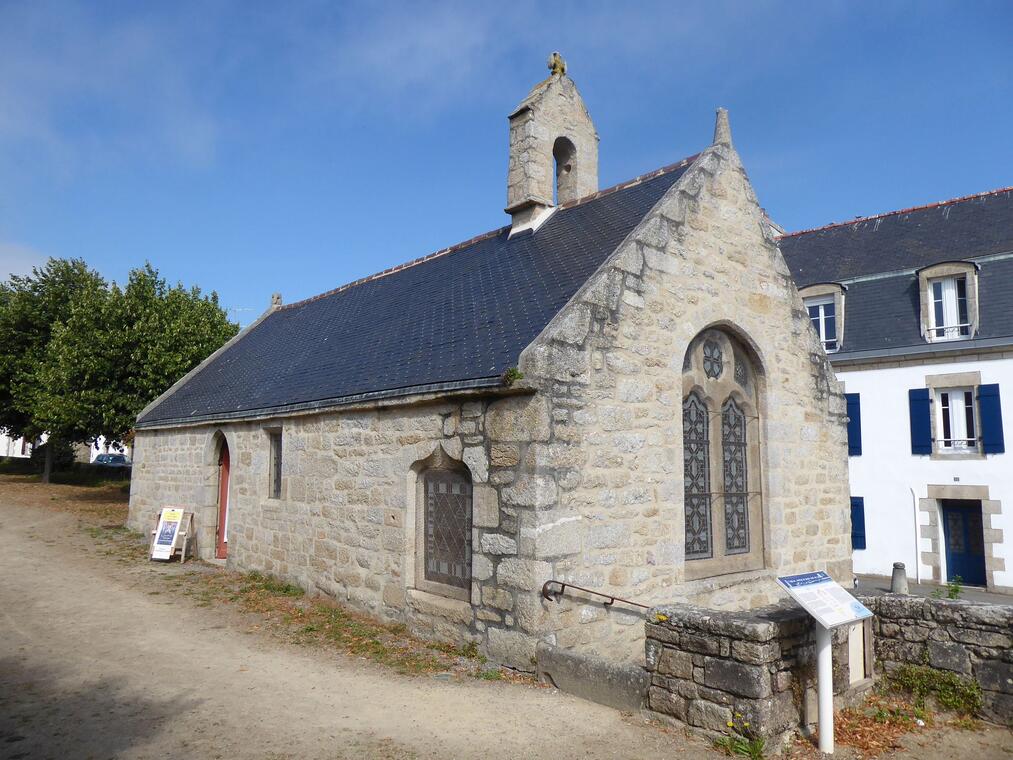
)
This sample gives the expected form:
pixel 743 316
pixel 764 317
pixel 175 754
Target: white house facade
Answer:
pixel 915 311
pixel 19 448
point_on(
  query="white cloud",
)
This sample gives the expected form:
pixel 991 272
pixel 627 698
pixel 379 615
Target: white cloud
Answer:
pixel 18 259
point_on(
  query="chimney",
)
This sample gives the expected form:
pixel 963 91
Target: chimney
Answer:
pixel 553 150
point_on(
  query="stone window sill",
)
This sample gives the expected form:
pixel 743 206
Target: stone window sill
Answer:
pixel 962 457
pixel 428 603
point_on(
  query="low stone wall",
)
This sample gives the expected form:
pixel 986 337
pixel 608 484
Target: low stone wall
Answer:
pixel 969 638
pixel 707 665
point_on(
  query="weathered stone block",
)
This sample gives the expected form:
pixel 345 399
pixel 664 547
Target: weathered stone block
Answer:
pixel 995 675
pixel 481 567
pixel 519 418
pixel 504 454
pixel 511 648
pixel 736 677
pixel 478 463
pixel 454 610
pixel 525 574
pixel 557 539
pixel 755 653
pixel 663 701
pixel 497 544
pixel 675 663
pixel 709 716
pixel 484 507
pixel 949 657
pixel 981 638
pixel 537 491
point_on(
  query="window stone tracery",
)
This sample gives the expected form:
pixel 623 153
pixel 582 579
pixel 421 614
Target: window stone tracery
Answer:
pixel 721 449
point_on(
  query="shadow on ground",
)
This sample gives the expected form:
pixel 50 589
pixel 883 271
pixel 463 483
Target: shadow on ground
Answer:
pixel 43 716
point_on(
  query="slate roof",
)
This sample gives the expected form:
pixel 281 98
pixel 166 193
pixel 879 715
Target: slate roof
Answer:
pixel 458 318
pixel 876 258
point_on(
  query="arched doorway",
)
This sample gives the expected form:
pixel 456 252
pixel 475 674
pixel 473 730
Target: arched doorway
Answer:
pixel 221 533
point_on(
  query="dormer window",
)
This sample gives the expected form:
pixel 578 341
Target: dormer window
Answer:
pixel 823 314
pixel 949 318
pixel 825 305
pixel 949 301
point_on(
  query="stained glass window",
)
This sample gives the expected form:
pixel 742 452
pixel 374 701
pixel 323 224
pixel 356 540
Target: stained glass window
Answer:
pixel 448 528
pixel 736 480
pixel 696 466
pixel 713 361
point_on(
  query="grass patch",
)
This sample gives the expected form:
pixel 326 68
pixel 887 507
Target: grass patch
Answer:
pixel 949 690
pixel 270 585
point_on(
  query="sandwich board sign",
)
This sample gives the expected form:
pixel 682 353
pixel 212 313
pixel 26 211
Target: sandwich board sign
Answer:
pixel 166 533
pixel 824 598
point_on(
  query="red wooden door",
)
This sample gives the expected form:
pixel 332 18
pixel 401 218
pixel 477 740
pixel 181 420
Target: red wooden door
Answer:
pixel 221 538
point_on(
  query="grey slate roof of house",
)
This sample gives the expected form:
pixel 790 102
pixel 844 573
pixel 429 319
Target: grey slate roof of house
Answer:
pixel 876 257
pixel 458 318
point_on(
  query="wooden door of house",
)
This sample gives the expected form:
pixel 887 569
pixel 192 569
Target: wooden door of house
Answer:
pixel 221 534
pixel 965 541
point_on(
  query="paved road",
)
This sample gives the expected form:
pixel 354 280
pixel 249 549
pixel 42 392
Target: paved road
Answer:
pixel 879 584
pixel 94 665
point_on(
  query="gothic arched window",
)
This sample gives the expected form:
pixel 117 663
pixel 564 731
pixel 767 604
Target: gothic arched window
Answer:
pixel 721 435
pixel 696 466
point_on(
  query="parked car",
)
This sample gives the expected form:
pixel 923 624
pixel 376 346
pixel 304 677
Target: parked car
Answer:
pixel 112 460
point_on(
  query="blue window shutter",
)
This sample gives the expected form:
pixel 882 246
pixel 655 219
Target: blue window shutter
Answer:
pixel 921 421
pixel 990 410
pixel 857 522
pixel 854 424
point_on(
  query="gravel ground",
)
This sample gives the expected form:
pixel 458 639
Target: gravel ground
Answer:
pixel 99 659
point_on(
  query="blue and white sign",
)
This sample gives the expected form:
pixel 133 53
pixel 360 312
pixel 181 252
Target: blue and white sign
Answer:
pixel 824 598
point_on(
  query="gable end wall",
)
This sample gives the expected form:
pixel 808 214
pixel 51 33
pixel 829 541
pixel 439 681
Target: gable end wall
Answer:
pixel 610 367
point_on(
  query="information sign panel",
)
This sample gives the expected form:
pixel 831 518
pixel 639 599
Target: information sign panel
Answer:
pixel 824 598
pixel 166 532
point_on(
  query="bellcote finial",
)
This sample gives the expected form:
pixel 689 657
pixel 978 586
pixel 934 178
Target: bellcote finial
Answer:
pixel 722 130
pixel 556 64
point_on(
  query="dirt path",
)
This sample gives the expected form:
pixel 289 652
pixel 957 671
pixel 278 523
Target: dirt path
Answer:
pixel 100 659
pixel 94 665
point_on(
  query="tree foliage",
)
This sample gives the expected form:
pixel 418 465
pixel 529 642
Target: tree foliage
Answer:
pixel 31 308
pixel 92 355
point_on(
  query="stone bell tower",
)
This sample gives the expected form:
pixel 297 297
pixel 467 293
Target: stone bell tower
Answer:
pixel 553 149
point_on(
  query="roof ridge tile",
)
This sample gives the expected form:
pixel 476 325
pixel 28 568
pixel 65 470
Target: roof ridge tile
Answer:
pixel 492 233
pixel 925 207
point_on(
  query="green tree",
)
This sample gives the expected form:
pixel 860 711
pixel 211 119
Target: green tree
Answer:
pixel 31 307
pixel 114 350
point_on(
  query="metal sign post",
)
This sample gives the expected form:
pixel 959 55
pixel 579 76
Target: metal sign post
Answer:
pixel 831 606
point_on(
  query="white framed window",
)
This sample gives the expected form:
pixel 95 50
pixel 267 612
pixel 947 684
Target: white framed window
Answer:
pixel 948 313
pixel 823 313
pixel 956 421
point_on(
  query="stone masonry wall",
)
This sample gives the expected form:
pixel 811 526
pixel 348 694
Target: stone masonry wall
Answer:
pixel 707 665
pixel 603 478
pixel 345 523
pixel 969 638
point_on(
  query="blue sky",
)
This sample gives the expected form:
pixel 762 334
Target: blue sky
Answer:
pixel 251 147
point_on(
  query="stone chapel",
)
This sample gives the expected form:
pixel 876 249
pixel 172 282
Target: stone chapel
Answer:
pixel 619 390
